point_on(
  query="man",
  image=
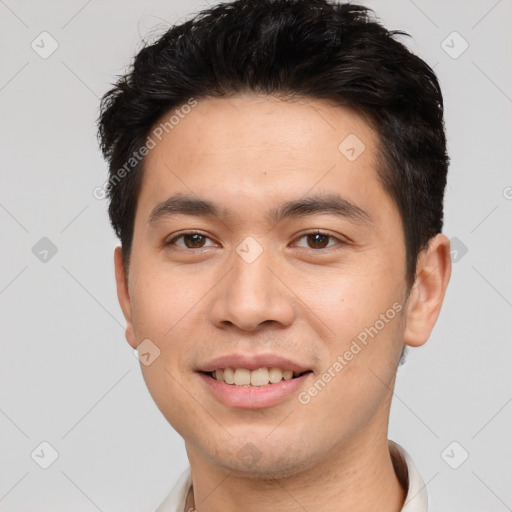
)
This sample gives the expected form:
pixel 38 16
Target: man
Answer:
pixel 277 172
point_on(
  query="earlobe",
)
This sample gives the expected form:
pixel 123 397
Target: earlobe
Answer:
pixel 123 296
pixel 427 294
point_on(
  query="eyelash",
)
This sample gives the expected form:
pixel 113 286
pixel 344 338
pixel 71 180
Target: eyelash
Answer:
pixel 317 232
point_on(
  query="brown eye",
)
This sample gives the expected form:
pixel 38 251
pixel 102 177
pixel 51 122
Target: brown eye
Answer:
pixel 319 240
pixel 194 241
pixel 190 241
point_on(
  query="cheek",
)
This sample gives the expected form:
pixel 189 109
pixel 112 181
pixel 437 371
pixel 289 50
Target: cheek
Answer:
pixel 356 381
pixel 362 316
pixel 161 301
pixel 352 299
pixel 166 387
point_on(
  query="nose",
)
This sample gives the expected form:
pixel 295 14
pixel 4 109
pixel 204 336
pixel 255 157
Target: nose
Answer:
pixel 253 293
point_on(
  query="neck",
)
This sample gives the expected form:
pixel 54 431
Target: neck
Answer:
pixel 358 479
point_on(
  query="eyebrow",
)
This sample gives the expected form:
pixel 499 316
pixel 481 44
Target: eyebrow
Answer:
pixel 332 204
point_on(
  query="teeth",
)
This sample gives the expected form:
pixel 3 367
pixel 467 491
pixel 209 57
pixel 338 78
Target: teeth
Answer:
pixel 229 375
pixel 242 377
pixel 259 377
pixel 275 374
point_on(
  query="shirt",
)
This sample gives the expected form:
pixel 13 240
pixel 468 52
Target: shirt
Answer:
pixel 416 494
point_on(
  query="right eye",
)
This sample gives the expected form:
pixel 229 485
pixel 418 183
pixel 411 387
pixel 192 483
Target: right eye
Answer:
pixel 191 240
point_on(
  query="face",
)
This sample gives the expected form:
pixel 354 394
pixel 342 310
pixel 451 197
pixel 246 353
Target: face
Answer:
pixel 264 239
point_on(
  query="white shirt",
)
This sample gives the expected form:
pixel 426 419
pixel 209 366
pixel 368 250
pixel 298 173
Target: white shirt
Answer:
pixel 416 499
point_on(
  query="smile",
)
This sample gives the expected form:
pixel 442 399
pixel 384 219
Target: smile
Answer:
pixel 254 378
pixel 242 394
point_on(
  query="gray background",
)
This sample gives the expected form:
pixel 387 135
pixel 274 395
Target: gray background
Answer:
pixel 67 375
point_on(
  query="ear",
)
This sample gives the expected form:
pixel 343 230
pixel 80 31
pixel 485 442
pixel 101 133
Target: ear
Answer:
pixel 433 272
pixel 123 296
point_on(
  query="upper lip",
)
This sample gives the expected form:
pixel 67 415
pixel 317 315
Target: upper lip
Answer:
pixel 252 362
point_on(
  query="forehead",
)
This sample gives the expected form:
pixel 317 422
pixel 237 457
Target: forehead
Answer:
pixel 251 124
pixel 251 149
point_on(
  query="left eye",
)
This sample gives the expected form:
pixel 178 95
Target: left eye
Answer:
pixel 319 240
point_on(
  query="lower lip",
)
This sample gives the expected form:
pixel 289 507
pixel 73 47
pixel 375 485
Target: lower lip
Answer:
pixel 253 397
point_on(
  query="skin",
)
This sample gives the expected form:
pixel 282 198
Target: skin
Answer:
pixel 250 153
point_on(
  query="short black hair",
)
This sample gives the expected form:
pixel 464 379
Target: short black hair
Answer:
pixel 303 48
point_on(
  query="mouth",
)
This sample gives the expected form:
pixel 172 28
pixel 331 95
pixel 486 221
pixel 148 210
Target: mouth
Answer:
pixel 250 381
pixel 259 377
pixel 253 381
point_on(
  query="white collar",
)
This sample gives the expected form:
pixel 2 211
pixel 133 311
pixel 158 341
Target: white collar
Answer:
pixel 415 501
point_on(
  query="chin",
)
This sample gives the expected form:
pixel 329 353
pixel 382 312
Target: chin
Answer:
pixel 263 462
